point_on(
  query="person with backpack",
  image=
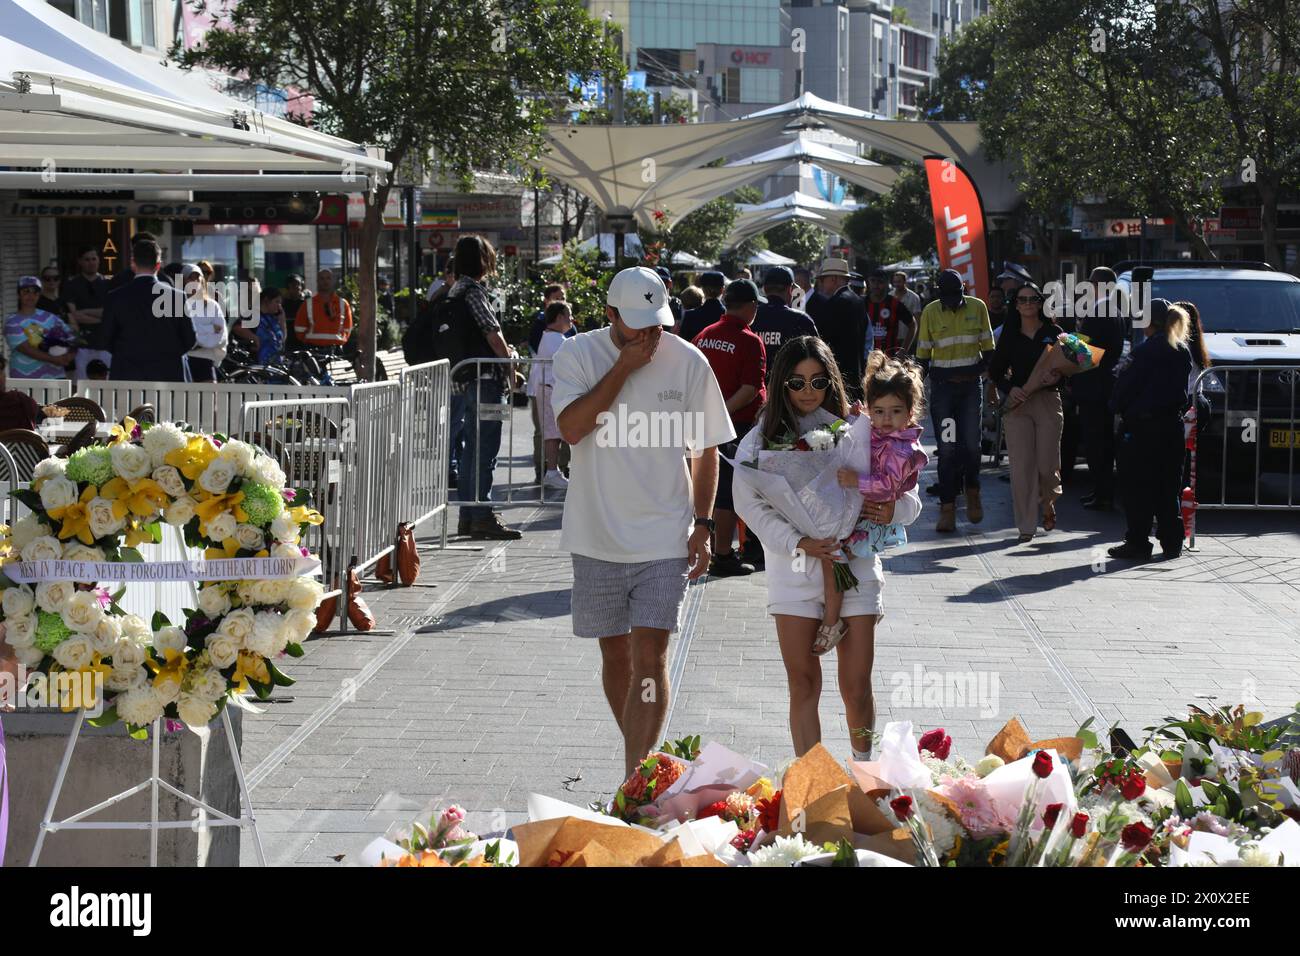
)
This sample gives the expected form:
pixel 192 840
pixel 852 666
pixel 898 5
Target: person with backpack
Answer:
pixel 464 327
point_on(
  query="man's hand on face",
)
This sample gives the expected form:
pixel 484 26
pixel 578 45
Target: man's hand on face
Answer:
pixel 638 353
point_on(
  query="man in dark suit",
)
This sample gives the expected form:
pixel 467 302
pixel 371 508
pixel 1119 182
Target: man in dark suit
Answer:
pixel 695 321
pixel 1106 329
pixel 145 325
pixel 841 319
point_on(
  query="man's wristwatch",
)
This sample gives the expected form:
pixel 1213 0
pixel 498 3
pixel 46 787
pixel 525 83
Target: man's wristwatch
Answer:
pixel 707 522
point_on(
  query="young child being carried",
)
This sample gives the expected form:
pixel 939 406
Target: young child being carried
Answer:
pixel 894 395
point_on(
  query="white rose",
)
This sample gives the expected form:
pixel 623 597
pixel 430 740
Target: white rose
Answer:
pixel 75 652
pixel 102 519
pixel 18 601
pixel 140 706
pixel 222 526
pixel 76 551
pixel 135 630
pixel 223 649
pixel 250 537
pixel 45 548
pixel 195 711
pixel 53 595
pixel 270 591
pixel 304 594
pixel 107 633
pixel 217 477
pixel 27 529
pixel 286 551
pixel 82 612
pixel 128 653
pixel 237 625
pixel 161 439
pixel 130 461
pixel 209 684
pixel 29 656
pixel 50 468
pixel 180 511
pixel 246 592
pixel 167 687
pixel 240 455
pixel 269 472
pixel 266 634
pixel 58 492
pixel 284 528
pixel 170 481
pixel 125 676
pixel 20 630
pixel 169 638
pixel 214 602
pixel 298 625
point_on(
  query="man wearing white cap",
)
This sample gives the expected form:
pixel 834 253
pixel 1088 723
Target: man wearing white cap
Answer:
pixel 644 415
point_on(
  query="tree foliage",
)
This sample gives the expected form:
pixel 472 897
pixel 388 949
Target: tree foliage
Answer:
pixel 798 240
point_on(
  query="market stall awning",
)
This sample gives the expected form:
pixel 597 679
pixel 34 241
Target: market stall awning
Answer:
pixel 72 98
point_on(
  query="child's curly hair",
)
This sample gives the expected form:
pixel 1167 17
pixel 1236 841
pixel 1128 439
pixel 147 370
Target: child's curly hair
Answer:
pixel 894 376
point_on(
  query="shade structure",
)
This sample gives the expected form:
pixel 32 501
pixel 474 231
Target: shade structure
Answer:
pixel 766 258
pixel 833 213
pixel 809 104
pixel 742 231
pixel 71 97
pixel 615 165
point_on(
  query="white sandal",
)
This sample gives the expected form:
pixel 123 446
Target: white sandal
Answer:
pixel 828 637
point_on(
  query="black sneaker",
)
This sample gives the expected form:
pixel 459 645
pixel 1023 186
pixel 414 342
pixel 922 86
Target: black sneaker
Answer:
pixel 492 528
pixel 753 554
pixel 1130 552
pixel 729 565
pixel 933 490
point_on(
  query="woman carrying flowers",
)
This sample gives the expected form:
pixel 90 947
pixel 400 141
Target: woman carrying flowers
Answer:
pixel 807 392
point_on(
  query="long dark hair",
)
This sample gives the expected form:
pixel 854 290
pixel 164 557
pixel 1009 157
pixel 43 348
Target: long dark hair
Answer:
pixel 1195 335
pixel 778 415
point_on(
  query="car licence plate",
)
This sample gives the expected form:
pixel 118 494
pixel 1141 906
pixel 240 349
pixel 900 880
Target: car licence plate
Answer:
pixel 1283 438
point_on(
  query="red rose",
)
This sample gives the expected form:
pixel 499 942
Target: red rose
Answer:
pixel 937 742
pixel 902 807
pixel 802 445
pixel 1133 785
pixel 1135 836
pixel 744 840
pixel 1079 825
pixel 1043 764
pixel 769 813
pixel 1051 814
pixel 713 810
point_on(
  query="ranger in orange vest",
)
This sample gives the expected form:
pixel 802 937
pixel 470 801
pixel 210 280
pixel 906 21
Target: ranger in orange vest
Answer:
pixel 324 319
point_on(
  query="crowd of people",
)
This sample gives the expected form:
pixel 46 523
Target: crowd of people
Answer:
pixel 161 323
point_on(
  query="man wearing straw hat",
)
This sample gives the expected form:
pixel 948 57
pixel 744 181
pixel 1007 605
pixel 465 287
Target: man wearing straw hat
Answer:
pixel 841 319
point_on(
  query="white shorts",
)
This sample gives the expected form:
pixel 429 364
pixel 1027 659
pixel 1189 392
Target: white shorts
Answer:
pixel 794 587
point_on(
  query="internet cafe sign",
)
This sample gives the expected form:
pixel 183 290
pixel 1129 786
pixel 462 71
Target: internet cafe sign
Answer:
pixel 84 207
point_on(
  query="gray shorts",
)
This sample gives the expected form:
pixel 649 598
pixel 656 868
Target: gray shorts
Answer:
pixel 610 598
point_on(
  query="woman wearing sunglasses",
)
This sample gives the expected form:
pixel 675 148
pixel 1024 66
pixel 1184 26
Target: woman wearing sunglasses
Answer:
pixel 1032 422
pixel 806 392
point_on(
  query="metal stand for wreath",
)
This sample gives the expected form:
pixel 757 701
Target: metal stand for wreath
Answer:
pixel 245 821
pixel 155 784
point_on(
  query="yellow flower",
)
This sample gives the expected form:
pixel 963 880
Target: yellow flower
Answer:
pixel 83 690
pixel 250 665
pixel 76 517
pixel 136 533
pixel 229 548
pixel 194 458
pixel 304 515
pixel 175 667
pixel 144 497
pixel 213 505
pixel 761 789
pixel 122 432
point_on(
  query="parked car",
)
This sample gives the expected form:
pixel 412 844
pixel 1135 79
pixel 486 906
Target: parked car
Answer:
pixel 1251 317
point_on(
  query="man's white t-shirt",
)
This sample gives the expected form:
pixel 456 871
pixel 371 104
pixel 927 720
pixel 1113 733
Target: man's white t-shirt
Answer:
pixel 629 498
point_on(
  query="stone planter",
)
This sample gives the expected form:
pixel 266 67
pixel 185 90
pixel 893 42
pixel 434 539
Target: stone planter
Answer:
pixel 105 762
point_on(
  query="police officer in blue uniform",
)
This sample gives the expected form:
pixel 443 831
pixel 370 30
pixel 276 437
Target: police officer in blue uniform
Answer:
pixel 777 323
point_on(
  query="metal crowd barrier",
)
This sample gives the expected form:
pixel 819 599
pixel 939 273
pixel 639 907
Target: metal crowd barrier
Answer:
pixel 503 412
pixel 375 456
pixel 207 406
pixel 1244 455
pixel 425 436
pixel 313 441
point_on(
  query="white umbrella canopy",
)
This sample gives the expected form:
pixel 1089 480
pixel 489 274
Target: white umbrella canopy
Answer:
pixel 767 258
pixel 71 97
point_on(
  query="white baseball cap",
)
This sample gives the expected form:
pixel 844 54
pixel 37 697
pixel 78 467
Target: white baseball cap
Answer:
pixel 640 297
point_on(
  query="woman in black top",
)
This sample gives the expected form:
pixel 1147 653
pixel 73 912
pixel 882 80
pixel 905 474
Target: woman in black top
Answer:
pixel 1032 422
pixel 1151 394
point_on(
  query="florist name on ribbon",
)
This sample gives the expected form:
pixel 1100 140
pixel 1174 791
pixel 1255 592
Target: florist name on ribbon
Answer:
pixel 221 569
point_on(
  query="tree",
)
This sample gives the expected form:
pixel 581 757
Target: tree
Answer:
pixel 467 85
pixel 798 240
